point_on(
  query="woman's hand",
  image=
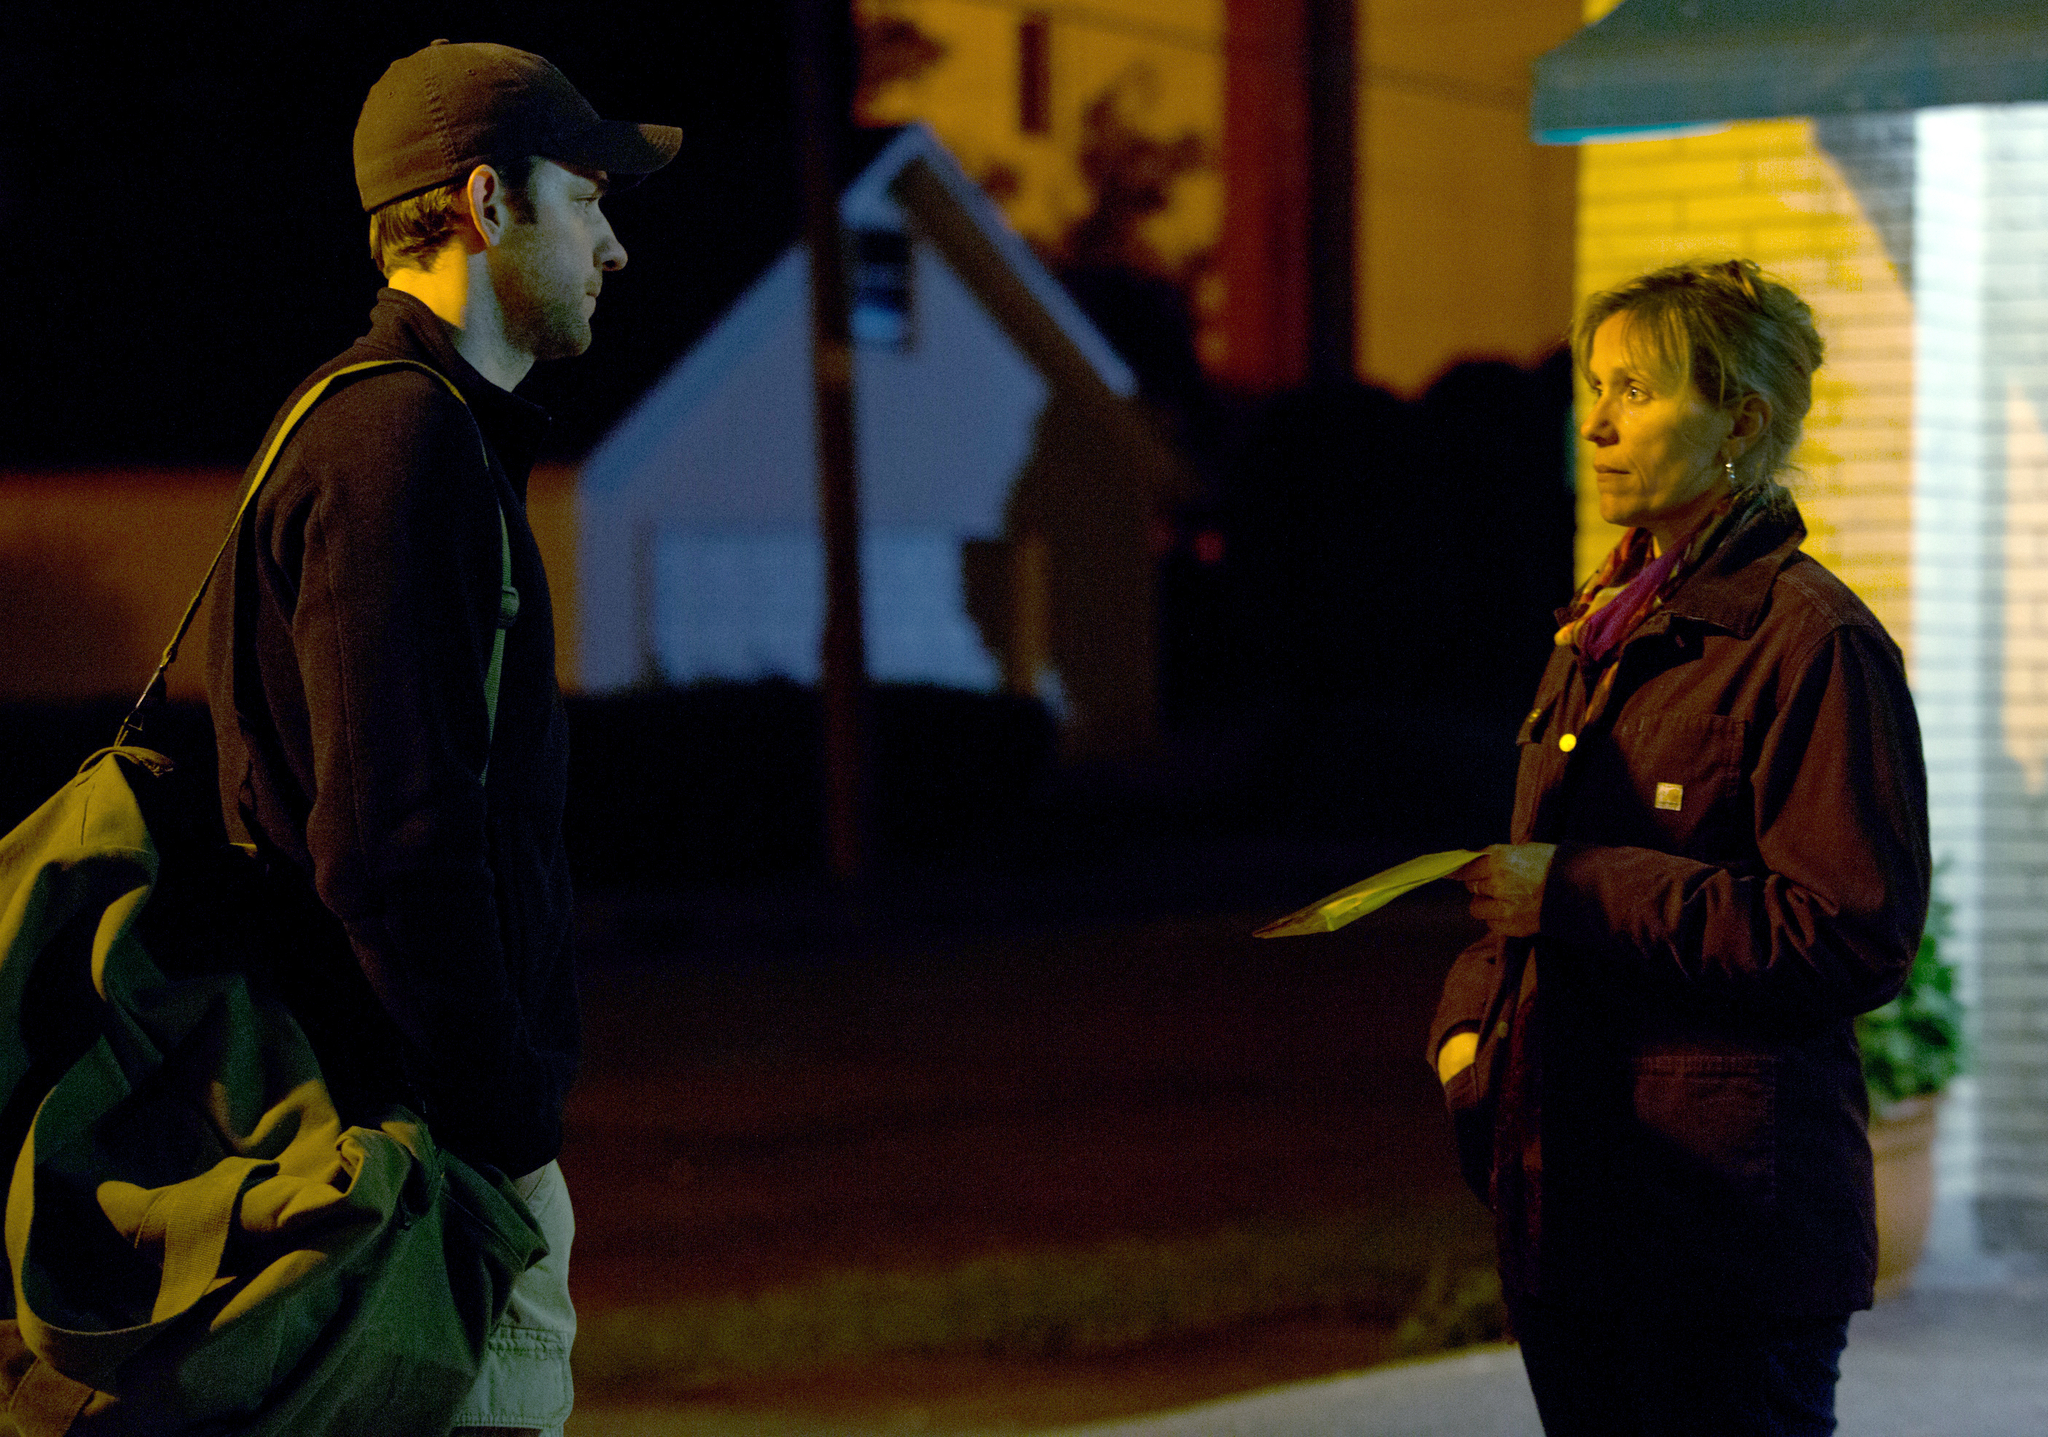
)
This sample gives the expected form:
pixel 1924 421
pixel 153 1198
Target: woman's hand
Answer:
pixel 1456 1055
pixel 1506 884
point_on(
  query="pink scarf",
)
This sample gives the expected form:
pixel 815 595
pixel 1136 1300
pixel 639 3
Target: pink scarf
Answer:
pixel 1630 584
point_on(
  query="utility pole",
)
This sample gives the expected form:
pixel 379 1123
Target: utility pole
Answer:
pixel 845 651
pixel 1336 52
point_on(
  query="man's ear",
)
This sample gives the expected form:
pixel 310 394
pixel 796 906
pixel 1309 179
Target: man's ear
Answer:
pixel 488 214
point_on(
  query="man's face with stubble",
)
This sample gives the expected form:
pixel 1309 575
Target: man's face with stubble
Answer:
pixel 547 271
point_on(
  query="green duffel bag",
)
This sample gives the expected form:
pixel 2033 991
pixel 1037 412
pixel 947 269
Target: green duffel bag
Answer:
pixel 197 1243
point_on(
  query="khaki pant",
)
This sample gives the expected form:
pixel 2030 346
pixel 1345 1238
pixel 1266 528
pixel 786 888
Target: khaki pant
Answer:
pixel 525 1378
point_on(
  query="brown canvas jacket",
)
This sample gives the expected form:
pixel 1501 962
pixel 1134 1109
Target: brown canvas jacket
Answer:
pixel 1668 1105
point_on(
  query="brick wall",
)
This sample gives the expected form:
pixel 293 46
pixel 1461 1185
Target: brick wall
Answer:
pixel 1778 193
pixel 1871 218
pixel 1922 243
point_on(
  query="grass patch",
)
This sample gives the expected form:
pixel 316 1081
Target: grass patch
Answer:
pixel 1425 1272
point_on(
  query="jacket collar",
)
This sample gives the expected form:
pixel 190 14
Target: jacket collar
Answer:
pixel 1732 588
pixel 402 327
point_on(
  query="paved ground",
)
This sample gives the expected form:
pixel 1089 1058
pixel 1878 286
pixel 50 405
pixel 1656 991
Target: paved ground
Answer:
pixel 1964 1355
pixel 1120 1100
pixel 755 1119
pixel 747 1121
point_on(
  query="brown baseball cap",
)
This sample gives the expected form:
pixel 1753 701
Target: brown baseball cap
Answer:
pixel 440 112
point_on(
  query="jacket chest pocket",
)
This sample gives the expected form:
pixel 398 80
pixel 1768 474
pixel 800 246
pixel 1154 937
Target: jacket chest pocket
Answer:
pixel 1673 782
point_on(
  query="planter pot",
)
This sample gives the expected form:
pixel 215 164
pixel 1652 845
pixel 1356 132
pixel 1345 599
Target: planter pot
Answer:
pixel 1902 1152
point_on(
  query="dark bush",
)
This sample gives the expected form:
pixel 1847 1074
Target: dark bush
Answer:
pixel 724 781
pixel 712 783
pixel 719 781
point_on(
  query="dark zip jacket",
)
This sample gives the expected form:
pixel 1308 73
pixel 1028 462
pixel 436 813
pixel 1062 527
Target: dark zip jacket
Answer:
pixel 349 644
pixel 1667 1110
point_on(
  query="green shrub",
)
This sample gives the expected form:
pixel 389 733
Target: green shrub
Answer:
pixel 1913 1045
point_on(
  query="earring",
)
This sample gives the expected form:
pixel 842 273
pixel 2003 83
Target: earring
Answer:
pixel 1729 465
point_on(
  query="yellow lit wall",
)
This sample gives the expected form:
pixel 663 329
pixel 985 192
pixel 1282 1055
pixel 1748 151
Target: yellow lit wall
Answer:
pixel 1467 226
pixel 95 569
pixel 1766 191
pixel 1163 59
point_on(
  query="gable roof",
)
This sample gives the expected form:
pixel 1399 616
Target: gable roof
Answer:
pixel 911 177
pixel 921 176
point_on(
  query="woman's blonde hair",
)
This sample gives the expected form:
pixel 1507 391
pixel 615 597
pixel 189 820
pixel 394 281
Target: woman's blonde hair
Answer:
pixel 1732 330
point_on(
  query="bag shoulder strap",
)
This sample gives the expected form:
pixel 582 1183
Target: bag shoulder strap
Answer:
pixel 131 727
pixel 508 610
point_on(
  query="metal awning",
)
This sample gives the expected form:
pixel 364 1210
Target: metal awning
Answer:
pixel 1669 64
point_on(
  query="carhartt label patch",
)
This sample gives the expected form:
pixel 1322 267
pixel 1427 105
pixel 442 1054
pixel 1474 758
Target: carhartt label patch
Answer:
pixel 1670 796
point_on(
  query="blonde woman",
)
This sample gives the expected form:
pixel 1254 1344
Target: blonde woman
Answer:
pixel 1719 858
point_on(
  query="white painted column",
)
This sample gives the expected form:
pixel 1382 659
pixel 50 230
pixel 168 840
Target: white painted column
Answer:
pixel 1980 652
pixel 1954 577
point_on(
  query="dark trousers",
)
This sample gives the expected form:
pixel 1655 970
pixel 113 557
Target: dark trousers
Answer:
pixel 1599 1374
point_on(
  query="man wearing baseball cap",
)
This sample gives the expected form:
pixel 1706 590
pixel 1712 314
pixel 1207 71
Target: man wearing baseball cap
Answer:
pixel 404 784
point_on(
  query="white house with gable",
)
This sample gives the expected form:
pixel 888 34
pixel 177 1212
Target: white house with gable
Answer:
pixel 1007 480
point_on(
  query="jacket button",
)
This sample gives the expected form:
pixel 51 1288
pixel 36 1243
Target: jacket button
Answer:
pixel 1567 741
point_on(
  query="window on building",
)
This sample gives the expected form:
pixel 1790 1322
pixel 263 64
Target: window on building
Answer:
pixel 1034 75
pixel 880 312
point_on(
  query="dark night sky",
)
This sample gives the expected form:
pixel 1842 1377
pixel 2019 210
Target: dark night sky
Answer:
pixel 181 229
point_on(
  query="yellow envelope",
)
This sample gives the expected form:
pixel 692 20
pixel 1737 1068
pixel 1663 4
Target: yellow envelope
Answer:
pixel 1332 913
